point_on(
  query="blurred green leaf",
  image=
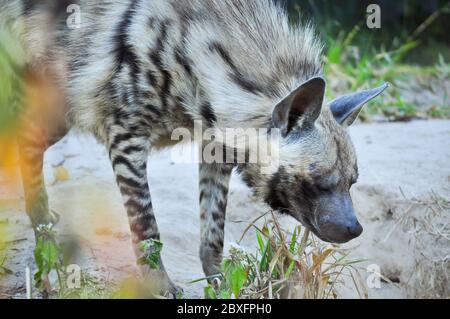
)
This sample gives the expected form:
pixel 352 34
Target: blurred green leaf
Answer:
pixel 209 292
pixel 151 250
pixel 237 278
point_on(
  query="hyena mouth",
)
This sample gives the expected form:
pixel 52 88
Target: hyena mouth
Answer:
pixel 320 235
pixel 309 225
pixel 314 229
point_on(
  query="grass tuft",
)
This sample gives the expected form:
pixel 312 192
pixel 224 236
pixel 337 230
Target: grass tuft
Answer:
pixel 286 265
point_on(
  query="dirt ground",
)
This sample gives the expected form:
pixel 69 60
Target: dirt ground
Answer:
pixel 400 200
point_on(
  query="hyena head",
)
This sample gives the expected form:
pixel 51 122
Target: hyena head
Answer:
pixel 317 161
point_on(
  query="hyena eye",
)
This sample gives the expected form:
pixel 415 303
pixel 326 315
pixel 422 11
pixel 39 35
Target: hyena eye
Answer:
pixel 327 184
pixel 324 188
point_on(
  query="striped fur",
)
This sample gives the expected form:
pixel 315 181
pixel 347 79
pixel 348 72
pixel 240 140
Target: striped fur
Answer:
pixel 214 181
pixel 137 69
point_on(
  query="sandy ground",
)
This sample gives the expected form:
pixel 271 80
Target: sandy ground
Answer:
pixel 406 231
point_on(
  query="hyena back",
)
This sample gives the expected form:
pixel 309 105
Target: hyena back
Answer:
pixel 135 70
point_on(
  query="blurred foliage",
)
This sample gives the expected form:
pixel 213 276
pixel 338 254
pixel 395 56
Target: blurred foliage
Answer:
pixel 411 51
pixel 11 57
pixel 47 255
pixel 416 91
pixel 151 250
pixel 424 21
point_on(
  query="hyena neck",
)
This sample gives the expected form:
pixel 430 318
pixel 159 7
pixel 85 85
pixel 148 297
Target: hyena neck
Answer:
pixel 242 73
pixel 239 74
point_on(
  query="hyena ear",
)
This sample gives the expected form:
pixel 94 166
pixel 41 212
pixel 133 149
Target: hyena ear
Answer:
pixel 302 106
pixel 347 108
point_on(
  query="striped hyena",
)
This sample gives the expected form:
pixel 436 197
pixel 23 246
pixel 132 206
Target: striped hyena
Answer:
pixel 133 71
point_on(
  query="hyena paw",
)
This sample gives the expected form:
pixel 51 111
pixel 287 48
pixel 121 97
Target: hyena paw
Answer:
pixel 211 262
pixel 175 291
pixel 159 283
pixel 153 270
pixel 47 219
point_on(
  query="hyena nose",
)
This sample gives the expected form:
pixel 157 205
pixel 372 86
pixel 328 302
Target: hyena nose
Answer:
pixel 355 229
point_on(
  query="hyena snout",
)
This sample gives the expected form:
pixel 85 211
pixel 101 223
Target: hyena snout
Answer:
pixel 336 220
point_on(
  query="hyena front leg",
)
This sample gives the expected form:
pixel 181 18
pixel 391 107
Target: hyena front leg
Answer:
pixel 42 124
pixel 214 183
pixel 33 142
pixel 129 155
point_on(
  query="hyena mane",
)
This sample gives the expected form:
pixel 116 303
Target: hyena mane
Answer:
pixel 224 62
